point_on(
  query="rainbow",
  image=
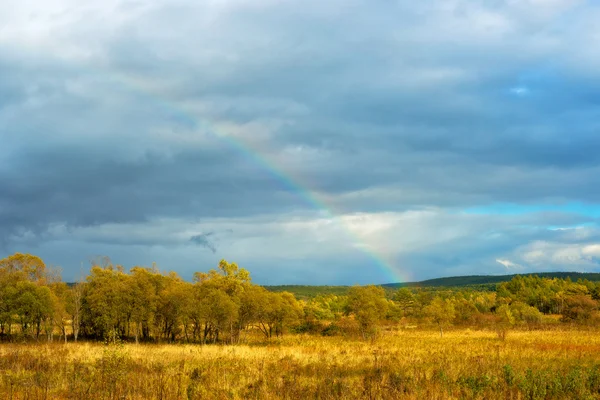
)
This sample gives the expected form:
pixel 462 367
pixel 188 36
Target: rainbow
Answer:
pixel 257 157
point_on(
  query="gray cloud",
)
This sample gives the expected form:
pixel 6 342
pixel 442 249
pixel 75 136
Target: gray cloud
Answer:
pixel 204 241
pixel 120 127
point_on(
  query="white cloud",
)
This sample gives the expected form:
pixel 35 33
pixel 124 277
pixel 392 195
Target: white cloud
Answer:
pixel 509 264
pixel 545 255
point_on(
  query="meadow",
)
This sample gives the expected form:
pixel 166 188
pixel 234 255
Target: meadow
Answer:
pixel 148 334
pixel 561 363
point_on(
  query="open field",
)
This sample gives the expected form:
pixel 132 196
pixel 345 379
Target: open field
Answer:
pixel 410 364
pixel 269 345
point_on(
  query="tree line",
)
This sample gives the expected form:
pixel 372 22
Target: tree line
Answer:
pixel 224 306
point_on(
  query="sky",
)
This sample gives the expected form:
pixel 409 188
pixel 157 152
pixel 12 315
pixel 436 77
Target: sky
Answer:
pixel 311 142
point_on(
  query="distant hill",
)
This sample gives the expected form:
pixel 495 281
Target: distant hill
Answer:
pixel 481 282
pixel 468 280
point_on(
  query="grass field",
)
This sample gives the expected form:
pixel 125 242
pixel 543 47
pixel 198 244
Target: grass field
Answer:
pixel 408 364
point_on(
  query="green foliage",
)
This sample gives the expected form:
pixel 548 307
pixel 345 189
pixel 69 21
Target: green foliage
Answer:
pixel 325 307
pixel 509 375
pixel 224 306
pixel 369 305
pixel 332 329
pixel 488 282
pixel 526 314
pixel 276 312
pixel 405 299
pixel 26 299
pixel 505 320
pixel 441 311
pixel 307 292
pixel 466 312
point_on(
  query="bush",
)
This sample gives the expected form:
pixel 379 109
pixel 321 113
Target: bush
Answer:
pixel 331 330
pixel 579 308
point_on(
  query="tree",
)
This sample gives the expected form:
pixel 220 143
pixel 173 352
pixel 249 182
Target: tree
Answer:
pixel 405 299
pixel 8 295
pixel 171 306
pixel 442 312
pixel 23 294
pixel 505 320
pixel 579 308
pixel 276 312
pixel 60 318
pixel 422 299
pixel 144 285
pixel 248 309
pixel 31 267
pixel 74 306
pixel 526 314
pixel 235 283
pixel 108 300
pixel 221 313
pixel 466 311
pixel 33 305
pixel 369 306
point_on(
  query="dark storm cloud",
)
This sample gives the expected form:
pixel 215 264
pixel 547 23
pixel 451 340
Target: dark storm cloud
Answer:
pixel 203 240
pixel 81 187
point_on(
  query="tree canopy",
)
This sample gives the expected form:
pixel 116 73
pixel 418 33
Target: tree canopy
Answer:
pixel 223 305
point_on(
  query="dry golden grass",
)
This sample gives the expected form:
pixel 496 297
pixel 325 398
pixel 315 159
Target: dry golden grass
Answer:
pixel 410 364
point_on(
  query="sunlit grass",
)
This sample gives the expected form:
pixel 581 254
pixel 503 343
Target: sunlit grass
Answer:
pixel 411 364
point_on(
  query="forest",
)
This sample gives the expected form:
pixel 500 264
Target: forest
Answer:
pixel 224 306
